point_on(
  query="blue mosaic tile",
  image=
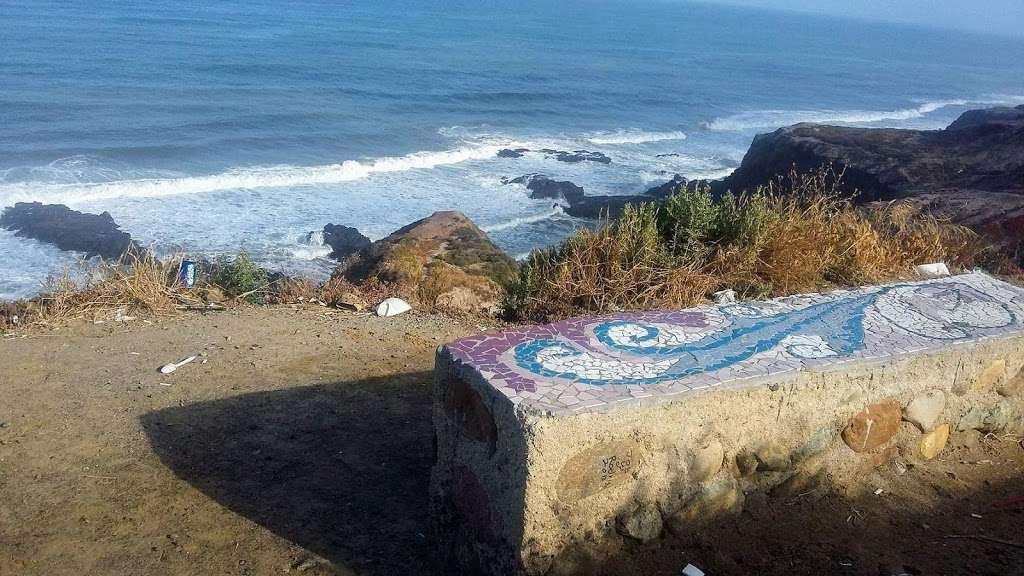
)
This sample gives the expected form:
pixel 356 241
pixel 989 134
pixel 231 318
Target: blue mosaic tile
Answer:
pixel 584 363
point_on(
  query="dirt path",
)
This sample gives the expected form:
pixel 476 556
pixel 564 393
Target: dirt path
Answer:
pixel 301 435
pixel 303 445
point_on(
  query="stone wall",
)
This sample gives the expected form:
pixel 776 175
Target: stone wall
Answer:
pixel 812 388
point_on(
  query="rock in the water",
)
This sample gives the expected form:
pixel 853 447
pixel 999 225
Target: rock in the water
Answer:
pixel 576 156
pixel 594 207
pixel 433 256
pixel 643 523
pixel 933 442
pixel 926 409
pixel 93 234
pixel 873 426
pixel 667 189
pixel 707 460
pixel 972 172
pixel 571 157
pixel 344 240
pixel 540 186
pixel 512 152
pixel 393 307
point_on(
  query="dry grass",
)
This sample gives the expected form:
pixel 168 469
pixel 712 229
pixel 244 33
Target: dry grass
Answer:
pixel 133 285
pixel 797 234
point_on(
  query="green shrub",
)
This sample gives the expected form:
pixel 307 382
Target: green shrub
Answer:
pixel 795 234
pixel 241 277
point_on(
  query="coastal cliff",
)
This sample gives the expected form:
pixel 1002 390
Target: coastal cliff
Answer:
pixel 971 172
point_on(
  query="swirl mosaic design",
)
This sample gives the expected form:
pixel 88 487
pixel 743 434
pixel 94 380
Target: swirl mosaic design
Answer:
pixel 586 362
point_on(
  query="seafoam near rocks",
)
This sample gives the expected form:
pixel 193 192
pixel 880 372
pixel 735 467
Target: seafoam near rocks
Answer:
pixel 595 422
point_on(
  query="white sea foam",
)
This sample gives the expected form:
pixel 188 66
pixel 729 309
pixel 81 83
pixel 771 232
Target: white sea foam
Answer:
pixel 314 238
pixel 310 252
pixel 531 219
pixel 777 118
pixel 241 178
pixel 633 137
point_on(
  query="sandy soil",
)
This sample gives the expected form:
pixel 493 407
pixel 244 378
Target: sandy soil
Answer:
pixel 301 442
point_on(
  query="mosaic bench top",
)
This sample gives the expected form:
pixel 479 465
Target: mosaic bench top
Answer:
pixel 592 363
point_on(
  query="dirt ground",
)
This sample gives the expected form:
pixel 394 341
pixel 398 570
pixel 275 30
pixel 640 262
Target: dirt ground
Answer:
pixel 300 442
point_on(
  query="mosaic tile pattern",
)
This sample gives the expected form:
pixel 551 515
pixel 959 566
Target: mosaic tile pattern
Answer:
pixel 591 363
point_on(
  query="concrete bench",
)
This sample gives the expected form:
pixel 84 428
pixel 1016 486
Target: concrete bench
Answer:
pixel 572 439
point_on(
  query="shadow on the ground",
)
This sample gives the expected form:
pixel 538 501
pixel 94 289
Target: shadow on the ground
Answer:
pixel 341 469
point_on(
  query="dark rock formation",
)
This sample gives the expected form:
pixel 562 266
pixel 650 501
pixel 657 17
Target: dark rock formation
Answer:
pixel 93 234
pixel 972 172
pixel 603 206
pixel 560 155
pixel 982 150
pixel 677 183
pixel 512 152
pixel 444 260
pixel 540 186
pixel 577 156
pixel 344 240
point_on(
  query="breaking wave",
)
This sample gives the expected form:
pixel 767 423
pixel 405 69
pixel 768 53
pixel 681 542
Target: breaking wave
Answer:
pixel 634 137
pixel 531 219
pixel 777 118
pixel 241 178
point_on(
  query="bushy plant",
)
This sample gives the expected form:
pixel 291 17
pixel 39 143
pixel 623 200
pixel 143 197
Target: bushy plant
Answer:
pixel 240 277
pixel 795 234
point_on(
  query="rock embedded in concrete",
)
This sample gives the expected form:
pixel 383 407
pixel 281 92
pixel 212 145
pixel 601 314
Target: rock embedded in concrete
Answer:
pixel 1012 387
pixel 746 463
pixel 989 419
pixel 464 406
pixel 817 444
pixel 925 409
pixel 993 375
pixel 599 415
pixel 723 496
pixel 643 523
pixel 706 460
pixel 934 442
pixel 802 483
pixel 599 468
pixel 873 426
pixel 772 457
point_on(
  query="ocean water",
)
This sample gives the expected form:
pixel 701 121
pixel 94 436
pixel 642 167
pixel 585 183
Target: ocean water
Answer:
pixel 209 127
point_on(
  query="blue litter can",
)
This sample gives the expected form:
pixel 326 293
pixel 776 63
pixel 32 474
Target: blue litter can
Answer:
pixel 187 276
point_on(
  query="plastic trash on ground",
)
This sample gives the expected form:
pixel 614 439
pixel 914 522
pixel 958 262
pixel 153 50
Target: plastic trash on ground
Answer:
pixel 933 269
pixel 393 307
pixel 168 368
pixel 727 296
pixel 692 570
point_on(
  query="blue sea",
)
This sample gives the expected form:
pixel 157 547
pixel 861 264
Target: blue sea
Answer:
pixel 210 127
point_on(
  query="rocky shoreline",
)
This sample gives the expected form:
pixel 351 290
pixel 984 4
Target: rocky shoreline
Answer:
pixel 971 172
